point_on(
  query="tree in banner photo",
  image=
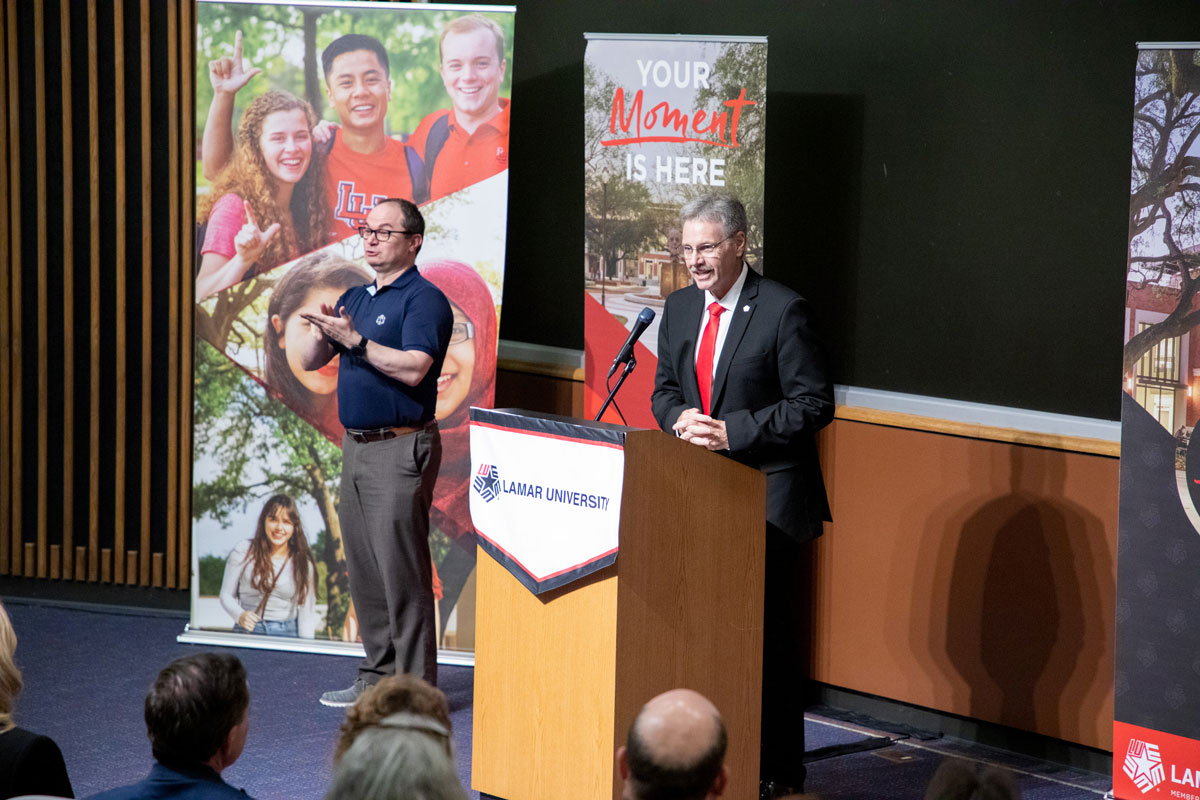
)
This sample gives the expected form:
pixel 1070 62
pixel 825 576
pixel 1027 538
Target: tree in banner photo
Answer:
pixel 1156 730
pixel 666 120
pixel 307 116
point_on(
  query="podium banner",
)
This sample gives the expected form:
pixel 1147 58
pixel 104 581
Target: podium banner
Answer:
pixel 1156 732
pixel 666 119
pixel 546 495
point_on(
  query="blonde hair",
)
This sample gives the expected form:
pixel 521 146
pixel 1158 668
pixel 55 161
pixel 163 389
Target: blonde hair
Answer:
pixel 468 24
pixel 10 676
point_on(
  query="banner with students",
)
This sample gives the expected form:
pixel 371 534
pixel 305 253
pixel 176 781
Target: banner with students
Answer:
pixel 308 115
pixel 1156 728
pixel 666 119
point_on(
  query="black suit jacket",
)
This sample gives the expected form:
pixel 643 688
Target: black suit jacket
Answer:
pixel 770 388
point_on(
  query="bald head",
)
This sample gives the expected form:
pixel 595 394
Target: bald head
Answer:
pixel 675 749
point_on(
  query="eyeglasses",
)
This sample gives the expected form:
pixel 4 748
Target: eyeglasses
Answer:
pixel 704 250
pixel 461 331
pixel 381 235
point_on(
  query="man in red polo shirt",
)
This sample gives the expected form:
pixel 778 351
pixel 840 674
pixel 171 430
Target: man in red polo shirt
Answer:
pixel 468 142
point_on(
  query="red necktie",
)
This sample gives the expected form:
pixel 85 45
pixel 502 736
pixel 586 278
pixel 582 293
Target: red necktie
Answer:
pixel 704 357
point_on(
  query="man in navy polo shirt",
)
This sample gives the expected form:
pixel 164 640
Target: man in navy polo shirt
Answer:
pixel 392 336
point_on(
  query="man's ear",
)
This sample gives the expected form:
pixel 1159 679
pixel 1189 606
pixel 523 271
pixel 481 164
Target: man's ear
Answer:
pixel 623 763
pixel 718 786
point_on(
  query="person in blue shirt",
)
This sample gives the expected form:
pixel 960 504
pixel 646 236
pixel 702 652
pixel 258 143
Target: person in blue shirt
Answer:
pixel 197 716
pixel 392 336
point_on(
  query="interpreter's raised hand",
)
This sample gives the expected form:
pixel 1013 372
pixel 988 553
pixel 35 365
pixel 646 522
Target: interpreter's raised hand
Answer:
pixel 252 240
pixel 229 74
pixel 336 326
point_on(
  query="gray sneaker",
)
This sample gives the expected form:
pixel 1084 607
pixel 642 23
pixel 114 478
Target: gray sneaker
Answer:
pixel 340 698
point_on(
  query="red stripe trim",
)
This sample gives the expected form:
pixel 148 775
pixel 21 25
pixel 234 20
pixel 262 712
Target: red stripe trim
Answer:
pixel 530 572
pixel 475 424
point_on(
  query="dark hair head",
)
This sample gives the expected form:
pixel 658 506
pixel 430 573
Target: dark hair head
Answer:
pixel 193 705
pixel 657 780
pixel 319 270
pixel 721 208
pixel 260 549
pixel 348 44
pixel 413 221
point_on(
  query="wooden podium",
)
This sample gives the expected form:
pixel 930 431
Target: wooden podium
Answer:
pixel 560 676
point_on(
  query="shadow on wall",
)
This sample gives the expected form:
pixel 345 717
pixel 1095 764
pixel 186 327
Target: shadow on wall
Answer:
pixel 1015 628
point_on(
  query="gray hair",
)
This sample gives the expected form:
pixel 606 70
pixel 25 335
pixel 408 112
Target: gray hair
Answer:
pixel 721 208
pixel 404 757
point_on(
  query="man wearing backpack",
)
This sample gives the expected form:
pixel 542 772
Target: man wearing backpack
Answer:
pixel 469 142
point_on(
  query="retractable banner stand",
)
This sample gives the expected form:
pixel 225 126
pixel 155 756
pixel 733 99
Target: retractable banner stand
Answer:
pixel 1156 732
pixel 307 115
pixel 666 119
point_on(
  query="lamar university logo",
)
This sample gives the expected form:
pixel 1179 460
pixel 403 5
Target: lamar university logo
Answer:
pixel 487 484
pixel 1143 764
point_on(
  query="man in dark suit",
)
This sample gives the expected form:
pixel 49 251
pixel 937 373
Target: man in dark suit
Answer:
pixel 741 372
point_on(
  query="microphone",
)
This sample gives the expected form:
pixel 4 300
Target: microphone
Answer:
pixel 644 318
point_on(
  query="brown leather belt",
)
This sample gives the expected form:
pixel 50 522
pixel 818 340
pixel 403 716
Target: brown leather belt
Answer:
pixel 383 434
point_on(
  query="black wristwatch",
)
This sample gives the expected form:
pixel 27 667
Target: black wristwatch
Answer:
pixel 360 350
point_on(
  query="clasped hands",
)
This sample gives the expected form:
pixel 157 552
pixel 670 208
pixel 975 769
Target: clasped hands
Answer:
pixel 701 429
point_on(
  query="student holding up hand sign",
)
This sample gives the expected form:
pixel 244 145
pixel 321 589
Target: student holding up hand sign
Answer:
pixel 268 206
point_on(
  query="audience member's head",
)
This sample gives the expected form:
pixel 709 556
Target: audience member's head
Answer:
pixel 403 756
pixel 196 711
pixel 393 694
pixel 958 780
pixel 675 749
pixel 10 676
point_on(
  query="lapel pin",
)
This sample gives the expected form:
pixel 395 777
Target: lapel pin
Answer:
pixel 745 308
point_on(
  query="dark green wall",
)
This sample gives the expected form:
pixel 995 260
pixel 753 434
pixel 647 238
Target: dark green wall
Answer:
pixel 947 182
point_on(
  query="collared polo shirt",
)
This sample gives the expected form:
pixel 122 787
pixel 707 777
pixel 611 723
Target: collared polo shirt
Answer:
pixel 465 158
pixel 357 181
pixel 410 313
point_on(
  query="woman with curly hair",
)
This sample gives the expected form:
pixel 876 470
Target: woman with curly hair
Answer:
pixel 269 205
pixel 259 590
pixel 315 279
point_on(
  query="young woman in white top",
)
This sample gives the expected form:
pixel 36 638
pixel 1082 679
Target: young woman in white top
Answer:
pixel 270 584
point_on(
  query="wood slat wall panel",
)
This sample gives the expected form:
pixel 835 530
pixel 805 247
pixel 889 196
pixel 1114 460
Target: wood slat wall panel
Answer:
pixel 6 482
pixel 188 194
pixel 93 572
pixel 120 342
pixel 147 293
pixel 43 359
pixel 14 260
pixel 174 125
pixel 115 140
pixel 68 301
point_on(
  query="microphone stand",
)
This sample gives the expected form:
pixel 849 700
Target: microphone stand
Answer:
pixel 629 365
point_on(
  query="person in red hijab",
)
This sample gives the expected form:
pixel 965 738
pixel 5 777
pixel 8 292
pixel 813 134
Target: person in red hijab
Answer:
pixel 468 379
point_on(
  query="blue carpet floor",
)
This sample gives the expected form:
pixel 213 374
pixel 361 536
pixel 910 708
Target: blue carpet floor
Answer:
pixel 87 670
